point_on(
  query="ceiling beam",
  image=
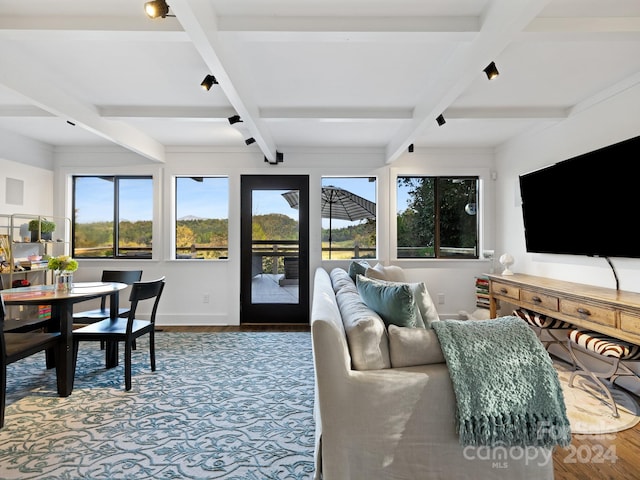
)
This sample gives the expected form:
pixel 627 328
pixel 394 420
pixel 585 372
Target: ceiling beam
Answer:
pixel 27 79
pixel 214 114
pixel 200 22
pixel 501 22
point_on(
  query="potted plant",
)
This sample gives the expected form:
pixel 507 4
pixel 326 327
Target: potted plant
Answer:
pixel 43 226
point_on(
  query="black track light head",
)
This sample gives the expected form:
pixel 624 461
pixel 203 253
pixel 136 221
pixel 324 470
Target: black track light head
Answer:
pixel 208 82
pixel 279 159
pixel 157 8
pixel 491 71
pixel 440 119
pixel 234 119
pixel 410 148
pixel 249 141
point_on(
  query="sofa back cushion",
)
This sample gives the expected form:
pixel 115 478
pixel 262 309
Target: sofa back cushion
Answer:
pixel 366 332
pixel 413 346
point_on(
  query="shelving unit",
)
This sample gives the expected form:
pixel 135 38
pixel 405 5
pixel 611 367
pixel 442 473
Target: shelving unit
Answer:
pixel 482 292
pixel 17 245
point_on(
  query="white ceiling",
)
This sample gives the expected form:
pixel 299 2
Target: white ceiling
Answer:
pixel 308 73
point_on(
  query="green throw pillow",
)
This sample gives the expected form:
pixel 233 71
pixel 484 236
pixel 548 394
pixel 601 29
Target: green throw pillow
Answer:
pixel 358 268
pixel 395 304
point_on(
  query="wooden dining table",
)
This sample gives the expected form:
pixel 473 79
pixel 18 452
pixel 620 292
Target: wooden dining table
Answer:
pixel 62 303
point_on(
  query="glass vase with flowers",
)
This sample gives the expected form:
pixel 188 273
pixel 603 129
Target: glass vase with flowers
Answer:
pixel 63 267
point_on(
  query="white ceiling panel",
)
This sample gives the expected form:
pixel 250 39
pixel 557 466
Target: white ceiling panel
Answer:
pixel 337 73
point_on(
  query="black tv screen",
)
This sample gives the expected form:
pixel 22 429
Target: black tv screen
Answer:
pixel 587 205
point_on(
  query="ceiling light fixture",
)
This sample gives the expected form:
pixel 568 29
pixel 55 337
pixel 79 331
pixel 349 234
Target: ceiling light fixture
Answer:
pixel 491 71
pixel 208 82
pixel 157 8
pixel 440 119
pixel 250 140
pixel 279 159
pixel 410 148
pixel 234 119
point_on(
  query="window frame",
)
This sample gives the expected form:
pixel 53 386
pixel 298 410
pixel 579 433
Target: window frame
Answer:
pixel 438 253
pixel 371 178
pixel 116 217
pixel 174 243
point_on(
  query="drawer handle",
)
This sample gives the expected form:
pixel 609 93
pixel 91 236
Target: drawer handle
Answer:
pixel 536 299
pixel 583 311
pixel 504 290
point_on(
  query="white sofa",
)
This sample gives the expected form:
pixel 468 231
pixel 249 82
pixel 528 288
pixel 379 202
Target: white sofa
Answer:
pixel 389 422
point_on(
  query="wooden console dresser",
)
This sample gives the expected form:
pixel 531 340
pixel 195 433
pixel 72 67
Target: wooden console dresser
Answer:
pixel 615 313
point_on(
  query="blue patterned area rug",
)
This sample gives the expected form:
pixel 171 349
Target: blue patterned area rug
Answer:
pixel 232 405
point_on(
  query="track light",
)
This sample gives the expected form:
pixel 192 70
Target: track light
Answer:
pixel 157 8
pixel 250 140
pixel 279 159
pixel 208 82
pixel 440 119
pixel 234 119
pixel 411 148
pixel 491 71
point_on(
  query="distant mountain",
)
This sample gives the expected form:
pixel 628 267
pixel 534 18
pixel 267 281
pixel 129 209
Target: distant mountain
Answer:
pixel 186 218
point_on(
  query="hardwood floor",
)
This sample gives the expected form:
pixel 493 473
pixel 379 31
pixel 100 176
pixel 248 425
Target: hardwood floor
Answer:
pixel 609 456
pixel 614 456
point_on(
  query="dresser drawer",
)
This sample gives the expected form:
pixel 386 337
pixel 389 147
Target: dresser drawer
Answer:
pixel 505 290
pixel 536 299
pixel 591 313
pixel 630 323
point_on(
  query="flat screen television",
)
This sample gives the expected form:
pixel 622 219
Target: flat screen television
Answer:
pixel 586 205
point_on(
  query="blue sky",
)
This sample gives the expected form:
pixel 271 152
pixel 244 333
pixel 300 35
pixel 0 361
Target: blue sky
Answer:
pixel 206 199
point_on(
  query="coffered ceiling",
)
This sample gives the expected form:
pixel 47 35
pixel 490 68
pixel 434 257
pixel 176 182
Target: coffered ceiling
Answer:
pixel 308 73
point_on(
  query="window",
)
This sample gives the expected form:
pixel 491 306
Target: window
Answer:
pixel 202 217
pixel 437 217
pixel 348 217
pixel 112 217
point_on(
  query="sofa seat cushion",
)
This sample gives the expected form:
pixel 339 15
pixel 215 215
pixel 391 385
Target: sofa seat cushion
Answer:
pixel 366 332
pixel 413 346
pixel 393 301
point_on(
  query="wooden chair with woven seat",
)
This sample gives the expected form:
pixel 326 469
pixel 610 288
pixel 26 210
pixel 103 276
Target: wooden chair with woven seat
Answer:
pixel 16 346
pixel 609 350
pixel 124 330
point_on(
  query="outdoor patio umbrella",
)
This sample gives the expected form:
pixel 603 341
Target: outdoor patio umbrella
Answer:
pixel 339 203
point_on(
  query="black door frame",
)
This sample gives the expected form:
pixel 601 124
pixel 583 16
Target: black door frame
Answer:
pixel 273 313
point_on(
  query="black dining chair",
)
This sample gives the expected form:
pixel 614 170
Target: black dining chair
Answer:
pixel 16 346
pixel 124 330
pixel 121 276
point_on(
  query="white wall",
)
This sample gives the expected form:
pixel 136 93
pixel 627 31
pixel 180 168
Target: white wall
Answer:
pixel 188 281
pixel 37 188
pixel 600 125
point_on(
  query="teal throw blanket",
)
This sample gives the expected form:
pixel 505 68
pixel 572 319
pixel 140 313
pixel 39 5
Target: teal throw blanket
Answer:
pixel 507 391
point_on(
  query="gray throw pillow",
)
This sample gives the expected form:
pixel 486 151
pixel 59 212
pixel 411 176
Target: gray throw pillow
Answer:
pixel 394 302
pixel 358 268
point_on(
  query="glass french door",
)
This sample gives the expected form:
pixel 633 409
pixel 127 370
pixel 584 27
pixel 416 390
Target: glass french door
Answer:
pixel 275 249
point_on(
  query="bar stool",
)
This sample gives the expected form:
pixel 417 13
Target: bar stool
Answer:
pixel 549 330
pixel 607 349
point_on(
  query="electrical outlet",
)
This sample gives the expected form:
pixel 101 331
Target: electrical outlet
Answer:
pixel 205 298
pixel 441 299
